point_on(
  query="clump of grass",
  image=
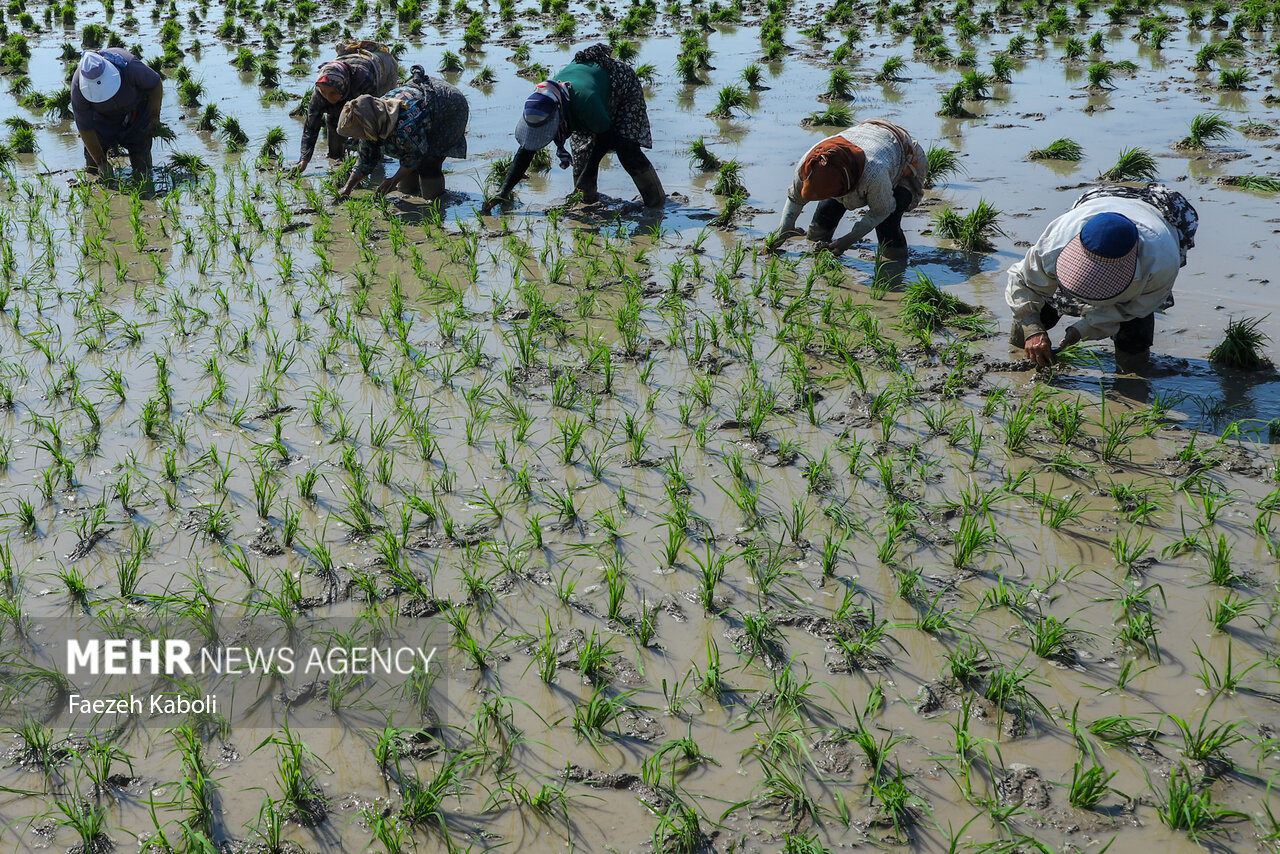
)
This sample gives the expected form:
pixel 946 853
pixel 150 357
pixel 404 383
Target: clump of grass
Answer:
pixel 1234 79
pixel 952 106
pixel 1257 183
pixel 1059 149
pixel 973 231
pixel 943 163
pixel 1100 75
pixel 753 75
pixel 1002 68
pixel 450 63
pixel 836 115
pixel 891 70
pixel 190 163
pixel 1133 164
pixel 1241 346
pixel 702 157
pixel 1205 128
pixel 237 139
pixel 839 85
pixel 925 306
pixel 731 98
pixel 729 179
pixel 1216 51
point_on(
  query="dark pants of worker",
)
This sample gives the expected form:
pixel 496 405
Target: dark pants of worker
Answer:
pixel 586 171
pixel 430 169
pixel 337 142
pixel 888 233
pixel 136 142
pixel 1133 336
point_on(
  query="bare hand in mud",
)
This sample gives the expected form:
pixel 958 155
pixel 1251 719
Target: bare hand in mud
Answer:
pixel 838 247
pixel 387 186
pixel 296 169
pixel 1040 350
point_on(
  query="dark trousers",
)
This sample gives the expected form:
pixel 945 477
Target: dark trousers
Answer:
pixel 1134 336
pixel 587 170
pixel 888 233
pixel 135 139
pixel 430 168
pixel 337 142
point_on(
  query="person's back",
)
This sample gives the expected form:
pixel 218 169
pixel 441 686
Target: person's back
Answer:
pixel 136 79
pixel 589 97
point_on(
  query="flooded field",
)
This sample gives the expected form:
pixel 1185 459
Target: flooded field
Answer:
pixel 727 551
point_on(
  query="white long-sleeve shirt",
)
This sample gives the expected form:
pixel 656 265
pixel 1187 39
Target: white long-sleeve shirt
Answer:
pixel 1033 280
pixel 886 163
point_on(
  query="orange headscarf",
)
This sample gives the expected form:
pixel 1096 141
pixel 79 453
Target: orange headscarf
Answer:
pixel 831 168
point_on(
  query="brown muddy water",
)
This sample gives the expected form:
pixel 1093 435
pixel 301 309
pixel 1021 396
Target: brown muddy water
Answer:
pixel 724 556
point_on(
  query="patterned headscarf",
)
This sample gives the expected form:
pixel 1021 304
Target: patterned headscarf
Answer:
pixel 334 74
pixel 368 118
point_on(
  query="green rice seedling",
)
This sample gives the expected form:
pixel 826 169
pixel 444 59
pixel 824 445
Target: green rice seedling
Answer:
pixel 1206 128
pixel 1216 51
pixel 1059 149
pixel 729 179
pixel 943 163
pixel 1050 638
pixel 450 63
pixel 1241 346
pixel 1204 740
pixel 1132 164
pixel 973 540
pixel 1002 68
pixel 1089 785
pixel 977 86
pixel 423 802
pixel 891 70
pixel 952 106
pixel 1073 48
pixel 89 821
pixel 1256 183
pixel 687 67
pixel 835 115
pixel 927 307
pixel 1101 75
pixel 1130 550
pixel 1218 555
pixel 730 98
pixel 972 232
pixel 1233 79
pixel 1187 805
pixel 702 157
pixel 592 719
pixel 753 76
pixel 1226 681
pixel 1226 611
pixel 840 85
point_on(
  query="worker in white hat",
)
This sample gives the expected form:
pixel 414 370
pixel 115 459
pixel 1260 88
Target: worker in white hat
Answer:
pixel 115 100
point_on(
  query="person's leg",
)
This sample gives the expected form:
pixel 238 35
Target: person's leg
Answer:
pixel 337 143
pixel 1049 317
pixel 90 165
pixel 431 178
pixel 586 170
pixel 825 219
pixel 1133 342
pixel 633 159
pixel 140 158
pixel 889 232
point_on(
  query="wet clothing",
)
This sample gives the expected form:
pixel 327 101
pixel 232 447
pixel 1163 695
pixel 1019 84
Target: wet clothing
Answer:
pixel 893 160
pixel 889 232
pixel 367 69
pixel 124 119
pixel 431 125
pixel 1033 286
pixel 606 112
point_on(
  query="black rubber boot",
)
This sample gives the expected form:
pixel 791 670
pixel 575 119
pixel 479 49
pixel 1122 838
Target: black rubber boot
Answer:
pixel 650 187
pixel 431 188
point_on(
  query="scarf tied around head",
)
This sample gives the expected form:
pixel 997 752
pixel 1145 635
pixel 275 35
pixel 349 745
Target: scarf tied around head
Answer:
pixel 334 74
pixel 832 168
pixel 369 118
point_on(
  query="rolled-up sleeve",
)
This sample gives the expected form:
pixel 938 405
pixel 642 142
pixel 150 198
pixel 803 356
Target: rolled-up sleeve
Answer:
pixel 1030 286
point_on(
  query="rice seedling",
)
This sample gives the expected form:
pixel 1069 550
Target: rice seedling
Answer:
pixel 1217 51
pixel 1206 128
pixel 891 70
pixel 839 85
pixel 1241 346
pixel 835 115
pixel 952 105
pixel 1187 805
pixel 1256 183
pixel 1060 149
pixel 1089 785
pixel 972 232
pixel 729 179
pixel 1234 79
pixel 1132 164
pixel 702 157
pixel 1101 76
pixel 730 98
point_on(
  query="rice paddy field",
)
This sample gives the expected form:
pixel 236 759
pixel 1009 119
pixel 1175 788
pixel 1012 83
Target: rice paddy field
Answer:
pixel 728 551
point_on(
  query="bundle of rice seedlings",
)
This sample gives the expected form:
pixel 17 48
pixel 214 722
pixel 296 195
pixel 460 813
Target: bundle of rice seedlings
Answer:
pixel 1241 346
pixel 891 70
pixel 1257 183
pixel 1133 164
pixel 943 163
pixel 953 103
pixel 1059 149
pixel 731 98
pixel 702 157
pixel 973 231
pixel 836 115
pixel 1205 128
pixel 729 179
pixel 926 307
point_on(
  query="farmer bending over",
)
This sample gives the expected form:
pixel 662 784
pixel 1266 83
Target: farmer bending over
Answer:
pixel 874 165
pixel 1111 261
pixel 115 100
pixel 597 104
pixel 420 125
pixel 362 68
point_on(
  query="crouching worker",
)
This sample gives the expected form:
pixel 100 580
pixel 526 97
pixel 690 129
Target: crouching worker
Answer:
pixel 420 125
pixel 596 103
pixel 362 68
pixel 1111 261
pixel 115 101
pixel 874 165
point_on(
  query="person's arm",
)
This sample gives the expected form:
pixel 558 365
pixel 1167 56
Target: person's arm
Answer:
pixel 369 154
pixel 880 205
pixel 316 111
pixel 390 184
pixel 791 211
pixel 515 174
pixel 155 99
pixel 93 145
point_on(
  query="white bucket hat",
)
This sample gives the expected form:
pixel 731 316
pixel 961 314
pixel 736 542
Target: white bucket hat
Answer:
pixel 99 78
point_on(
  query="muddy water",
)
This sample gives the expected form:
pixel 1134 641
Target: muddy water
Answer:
pixel 189 306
